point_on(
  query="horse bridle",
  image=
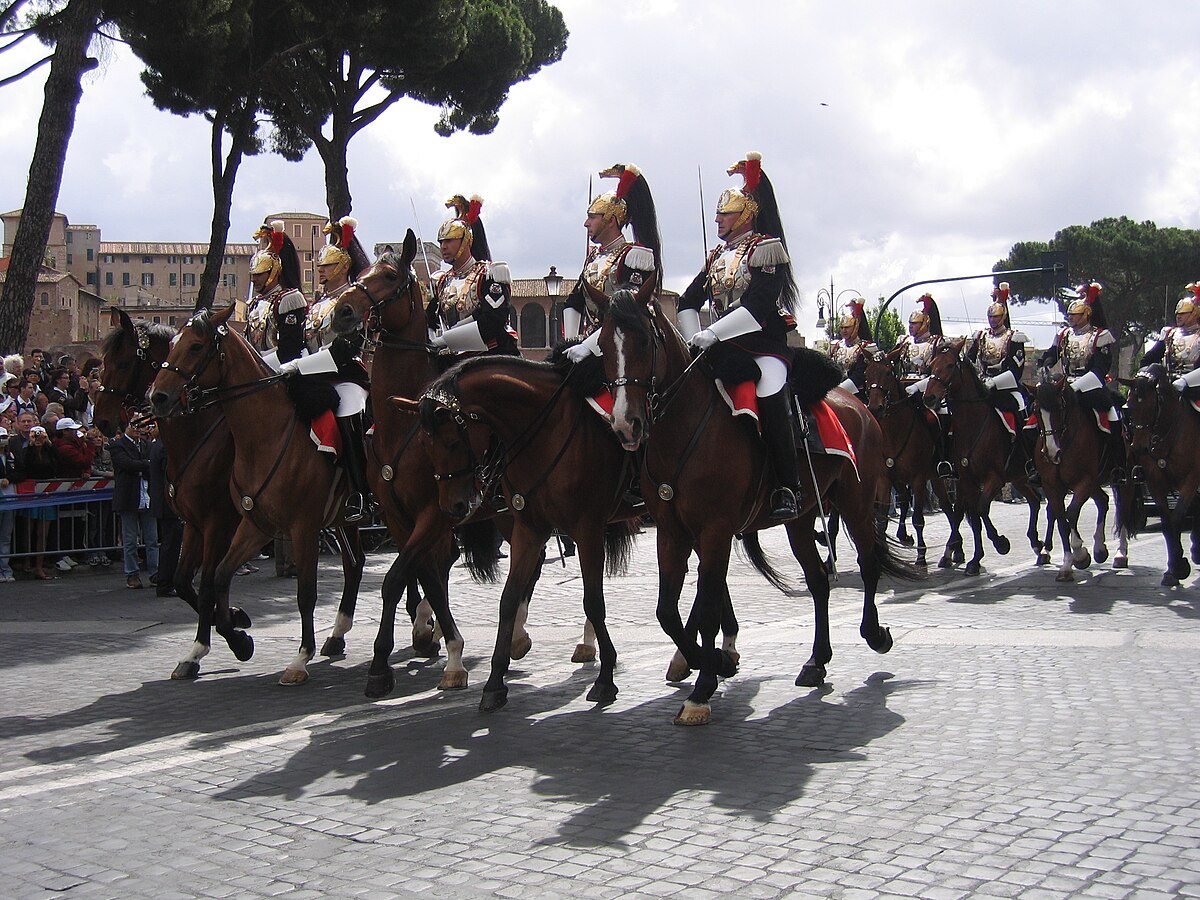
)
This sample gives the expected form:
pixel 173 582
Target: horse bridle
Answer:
pixel 1156 441
pixel 460 417
pixel 373 328
pixel 131 402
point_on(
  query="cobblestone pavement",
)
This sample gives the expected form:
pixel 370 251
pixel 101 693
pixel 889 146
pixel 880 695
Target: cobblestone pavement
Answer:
pixel 1023 739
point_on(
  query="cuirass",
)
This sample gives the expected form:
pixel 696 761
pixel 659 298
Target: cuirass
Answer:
pixel 1077 350
pixel 319 325
pixel 458 295
pixel 1182 352
pixel 845 355
pixel 916 358
pixel 729 274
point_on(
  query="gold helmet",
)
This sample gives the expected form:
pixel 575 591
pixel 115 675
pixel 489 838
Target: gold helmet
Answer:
pixel 613 204
pixel 1190 304
pixel 336 252
pixel 920 314
pixel 270 243
pixel 999 305
pixel 1088 294
pixel 852 317
pixel 466 214
pixel 743 201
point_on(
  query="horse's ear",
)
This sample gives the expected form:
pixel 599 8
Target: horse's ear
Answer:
pixel 221 316
pixel 125 324
pixel 893 354
pixel 598 297
pixel 646 291
pixel 405 404
pixel 1127 382
pixel 409 250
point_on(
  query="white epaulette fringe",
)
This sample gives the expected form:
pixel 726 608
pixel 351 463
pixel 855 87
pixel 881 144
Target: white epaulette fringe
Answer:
pixel 640 258
pixel 768 252
pixel 498 271
pixel 291 299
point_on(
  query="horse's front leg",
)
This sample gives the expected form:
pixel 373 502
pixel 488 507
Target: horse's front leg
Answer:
pixel 920 497
pixel 906 499
pixel 711 589
pixel 216 577
pixel 305 548
pixel 1099 547
pixel 589 543
pixel 527 544
pixel 813 672
pixel 353 559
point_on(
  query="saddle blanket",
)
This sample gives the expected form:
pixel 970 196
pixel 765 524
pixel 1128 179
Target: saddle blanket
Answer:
pixel 325 434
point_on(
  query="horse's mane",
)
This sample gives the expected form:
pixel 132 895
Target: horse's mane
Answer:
pixel 116 338
pixel 391 258
pixel 447 382
pixel 629 314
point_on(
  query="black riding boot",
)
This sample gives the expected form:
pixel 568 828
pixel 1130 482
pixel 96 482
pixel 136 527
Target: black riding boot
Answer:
pixel 1028 438
pixel 776 417
pixel 354 461
pixel 945 468
pixel 1118 453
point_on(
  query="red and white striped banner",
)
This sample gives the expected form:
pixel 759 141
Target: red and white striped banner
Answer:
pixel 61 486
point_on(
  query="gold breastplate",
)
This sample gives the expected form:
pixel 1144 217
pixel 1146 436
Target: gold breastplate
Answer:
pixel 458 295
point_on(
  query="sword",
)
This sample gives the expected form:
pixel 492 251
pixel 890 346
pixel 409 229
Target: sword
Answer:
pixel 816 486
pixel 420 240
pixel 703 222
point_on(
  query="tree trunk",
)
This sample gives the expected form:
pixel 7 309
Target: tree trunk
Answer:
pixel 337 174
pixel 63 90
pixel 223 179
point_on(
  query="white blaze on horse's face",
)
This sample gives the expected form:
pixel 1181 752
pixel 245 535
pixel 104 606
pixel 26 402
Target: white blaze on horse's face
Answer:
pixel 623 423
pixel 1053 451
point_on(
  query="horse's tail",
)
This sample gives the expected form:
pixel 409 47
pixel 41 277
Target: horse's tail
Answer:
pixel 890 562
pixel 1132 512
pixel 480 543
pixel 618 546
pixel 754 552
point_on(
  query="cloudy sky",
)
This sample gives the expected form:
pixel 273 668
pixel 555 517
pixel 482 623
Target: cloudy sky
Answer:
pixel 905 140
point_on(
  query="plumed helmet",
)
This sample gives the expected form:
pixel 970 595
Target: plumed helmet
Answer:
pixel 743 201
pixel 999 304
pixel 927 313
pixel 270 237
pixel 856 316
pixel 466 225
pixel 1087 296
pixel 1191 303
pixel 339 236
pixel 615 204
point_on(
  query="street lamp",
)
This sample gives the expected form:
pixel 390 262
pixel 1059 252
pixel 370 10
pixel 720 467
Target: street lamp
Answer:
pixel 553 282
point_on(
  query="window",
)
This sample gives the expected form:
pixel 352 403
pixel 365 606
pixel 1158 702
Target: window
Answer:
pixel 91 277
pixel 230 260
pixel 108 258
pixel 297 231
pixel 124 257
pixel 65 302
pixel 158 320
pixel 172 321
pixel 91 254
pixel 189 279
pixel 173 279
pixel 308 276
pixel 533 326
pixel 108 278
pixel 170 260
pixel 229 279
pixel 125 279
pixel 70 258
pixel 308 257
pixel 69 236
pixel 187 260
pixel 147 279
pixel 147 260
pixel 45 298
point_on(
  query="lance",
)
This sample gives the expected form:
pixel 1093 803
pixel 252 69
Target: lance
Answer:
pixel 420 240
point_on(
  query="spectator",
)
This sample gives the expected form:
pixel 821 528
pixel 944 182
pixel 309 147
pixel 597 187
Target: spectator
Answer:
pixel 100 514
pixel 8 412
pixel 82 406
pixel 50 417
pixel 38 462
pixel 75 454
pixel 131 501
pixel 14 364
pixel 6 516
pixel 170 526
pixel 27 398
pixel 59 389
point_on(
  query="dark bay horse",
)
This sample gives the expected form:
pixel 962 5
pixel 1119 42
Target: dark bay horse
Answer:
pixel 983 453
pixel 199 460
pixel 910 447
pixel 508 426
pixel 1074 457
pixel 704 479
pixel 1164 434
pixel 272 455
pixel 388 302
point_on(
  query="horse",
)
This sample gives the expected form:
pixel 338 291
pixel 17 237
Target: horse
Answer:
pixel 1073 456
pixel 199 458
pixel 704 479
pixel 502 425
pixel 1163 434
pixel 983 452
pixel 388 302
pixel 272 454
pixel 910 456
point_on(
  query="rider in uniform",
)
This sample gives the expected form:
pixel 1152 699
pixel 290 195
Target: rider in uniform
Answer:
pixel 469 309
pixel 275 315
pixel 1084 350
pixel 915 357
pixel 748 281
pixel 1178 348
pixel 339 357
pixel 998 354
pixel 855 349
pixel 613 262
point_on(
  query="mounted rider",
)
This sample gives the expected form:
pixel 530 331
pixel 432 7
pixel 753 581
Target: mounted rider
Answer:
pixel 1084 351
pixel 1177 348
pixel 914 357
pixel 613 262
pixel 855 349
pixel 469 310
pixel 339 358
pixel 747 279
pixel 275 314
pixel 998 355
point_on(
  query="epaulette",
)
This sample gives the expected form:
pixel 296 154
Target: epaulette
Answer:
pixel 639 257
pixel 498 271
pixel 1104 338
pixel 291 299
pixel 768 252
pixel 1020 337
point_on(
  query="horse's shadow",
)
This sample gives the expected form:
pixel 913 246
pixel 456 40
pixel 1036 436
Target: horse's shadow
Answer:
pixel 619 766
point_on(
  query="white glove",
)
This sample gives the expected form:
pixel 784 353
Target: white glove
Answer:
pixel 291 367
pixel 438 342
pixel 577 353
pixel 702 340
pixel 989 383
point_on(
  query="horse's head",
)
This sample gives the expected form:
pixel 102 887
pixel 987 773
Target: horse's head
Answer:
pixel 882 385
pixel 1053 396
pixel 371 300
pixel 130 357
pixel 634 367
pixel 1144 406
pixel 458 443
pixel 945 371
pixel 188 367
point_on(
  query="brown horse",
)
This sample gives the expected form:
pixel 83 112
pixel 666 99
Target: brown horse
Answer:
pixel 910 447
pixel 502 425
pixel 984 455
pixel 272 455
pixel 1073 456
pixel 388 302
pixel 704 478
pixel 1164 432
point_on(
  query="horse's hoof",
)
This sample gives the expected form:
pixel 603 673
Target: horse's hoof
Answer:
pixel 882 641
pixel 239 617
pixel 493 700
pixel 922 562
pixel 583 653
pixel 1183 570
pixel 1100 555
pixel 188 670
pixel 959 556
pixel 972 568
pixel 380 685
pixel 425 644
pixel 602 693
pixel 811 676
pixel 1043 559
pixel 334 646
pixel 453 681
pixel 906 540
pixel 1064 576
pixel 945 563
pixel 520 647
pixel 1082 562
pixel 293 677
pixel 728 666
pixel 1169 580
pixel 241 644
pixel 693 714
pixel 1120 562
pixel 1002 545
pixel 678 670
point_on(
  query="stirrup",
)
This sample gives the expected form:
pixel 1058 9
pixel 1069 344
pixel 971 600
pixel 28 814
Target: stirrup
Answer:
pixel 783 504
pixel 1031 472
pixel 1118 475
pixel 944 469
pixel 355 508
pixel 1137 474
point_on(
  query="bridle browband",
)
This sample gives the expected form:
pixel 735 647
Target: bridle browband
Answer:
pixel 376 334
pixel 193 398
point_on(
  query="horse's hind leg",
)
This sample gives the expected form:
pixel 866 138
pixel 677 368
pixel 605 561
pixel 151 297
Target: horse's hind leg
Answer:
pixel 973 566
pixel 353 559
pixel 999 541
pixel 907 499
pixel 526 545
pixel 426 633
pixel 1099 548
pixel 522 641
pixel 589 545
pixel 918 519
pixel 306 548
pixel 813 672
pixel 585 650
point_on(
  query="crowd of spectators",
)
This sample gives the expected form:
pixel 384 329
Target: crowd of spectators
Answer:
pixel 47 432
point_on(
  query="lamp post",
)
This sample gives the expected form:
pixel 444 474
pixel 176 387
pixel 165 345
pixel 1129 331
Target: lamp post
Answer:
pixel 553 282
pixel 827 298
